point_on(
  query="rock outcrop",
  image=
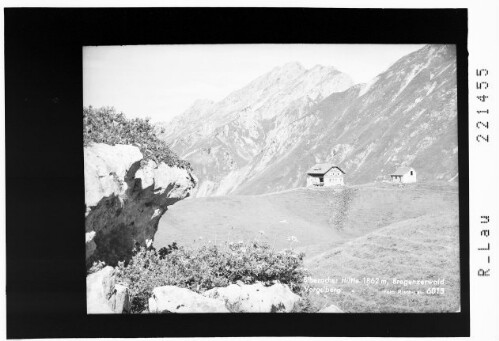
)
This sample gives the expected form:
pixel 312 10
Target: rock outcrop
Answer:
pixel 125 197
pixel 104 295
pixel 171 299
pixel 255 298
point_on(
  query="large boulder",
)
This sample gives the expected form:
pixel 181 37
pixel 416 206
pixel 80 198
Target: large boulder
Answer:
pixel 255 298
pixel 125 197
pixel 104 295
pixel 119 299
pixel 105 169
pixel 171 299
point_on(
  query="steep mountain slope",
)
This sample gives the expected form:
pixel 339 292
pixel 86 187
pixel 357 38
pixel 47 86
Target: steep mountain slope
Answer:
pixel 263 137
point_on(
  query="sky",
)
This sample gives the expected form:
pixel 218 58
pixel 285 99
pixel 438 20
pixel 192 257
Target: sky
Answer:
pixel 162 81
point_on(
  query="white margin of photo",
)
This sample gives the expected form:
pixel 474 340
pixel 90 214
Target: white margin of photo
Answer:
pixel 483 42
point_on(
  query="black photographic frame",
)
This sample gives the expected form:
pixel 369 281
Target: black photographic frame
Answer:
pixel 44 159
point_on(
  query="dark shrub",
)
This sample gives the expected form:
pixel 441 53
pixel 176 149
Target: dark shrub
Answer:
pixel 104 125
pixel 207 267
pixel 164 251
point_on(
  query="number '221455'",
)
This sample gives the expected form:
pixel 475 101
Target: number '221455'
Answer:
pixel 482 85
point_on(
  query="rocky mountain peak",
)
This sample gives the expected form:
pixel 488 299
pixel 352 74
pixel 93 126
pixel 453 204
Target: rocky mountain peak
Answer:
pixel 292 66
pixel 264 98
pixel 201 103
pixel 323 68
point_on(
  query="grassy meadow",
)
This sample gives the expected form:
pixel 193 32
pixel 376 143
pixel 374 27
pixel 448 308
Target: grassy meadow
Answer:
pixel 371 233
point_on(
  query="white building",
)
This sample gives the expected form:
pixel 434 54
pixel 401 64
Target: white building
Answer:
pixel 404 175
pixel 325 174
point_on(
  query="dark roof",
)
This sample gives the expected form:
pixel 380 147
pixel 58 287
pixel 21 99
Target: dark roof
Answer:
pixel 402 171
pixel 322 168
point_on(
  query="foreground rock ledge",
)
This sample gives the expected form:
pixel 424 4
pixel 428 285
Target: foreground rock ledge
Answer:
pixel 104 295
pixel 331 309
pixel 256 298
pixel 171 299
pixel 235 298
pixel 125 198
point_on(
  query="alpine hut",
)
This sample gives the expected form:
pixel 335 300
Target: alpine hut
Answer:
pixel 325 174
pixel 404 175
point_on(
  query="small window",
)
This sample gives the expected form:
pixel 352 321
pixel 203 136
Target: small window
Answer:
pixel 412 173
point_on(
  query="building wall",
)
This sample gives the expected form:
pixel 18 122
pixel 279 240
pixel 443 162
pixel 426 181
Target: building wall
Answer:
pixel 408 178
pixel 333 178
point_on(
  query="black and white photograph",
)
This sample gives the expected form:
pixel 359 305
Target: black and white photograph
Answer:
pixel 280 169
pixel 261 178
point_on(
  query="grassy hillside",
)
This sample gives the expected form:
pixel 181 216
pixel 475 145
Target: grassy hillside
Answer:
pixel 377 231
pixel 319 218
pixel 423 248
